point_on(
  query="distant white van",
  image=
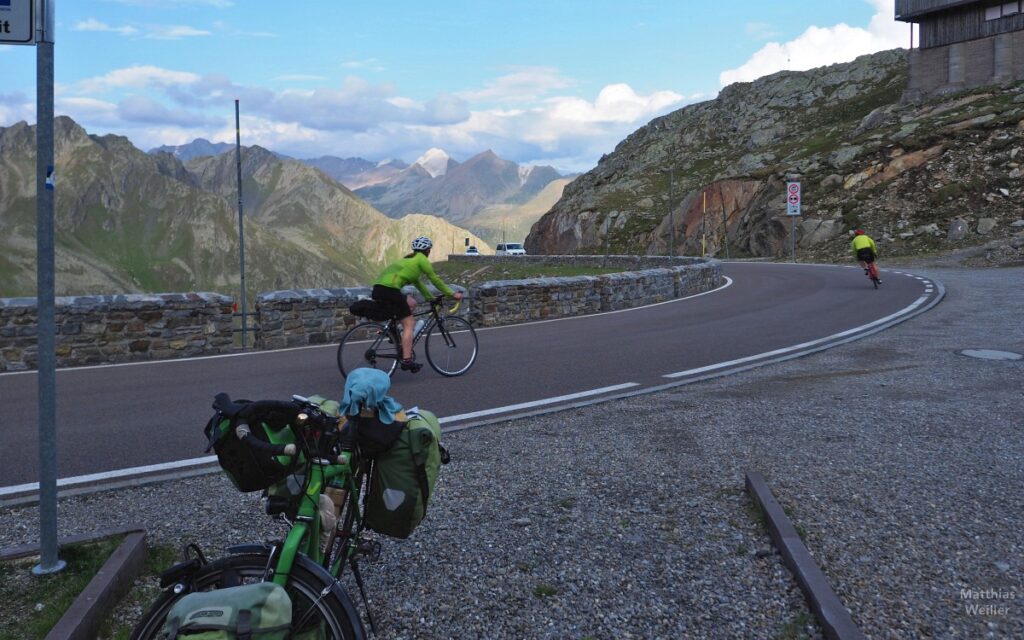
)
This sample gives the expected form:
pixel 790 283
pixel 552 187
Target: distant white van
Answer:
pixel 510 249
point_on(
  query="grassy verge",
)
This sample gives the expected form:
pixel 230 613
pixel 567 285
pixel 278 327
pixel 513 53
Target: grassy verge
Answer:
pixel 142 594
pixel 33 604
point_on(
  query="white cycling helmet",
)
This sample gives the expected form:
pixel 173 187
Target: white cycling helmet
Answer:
pixel 422 243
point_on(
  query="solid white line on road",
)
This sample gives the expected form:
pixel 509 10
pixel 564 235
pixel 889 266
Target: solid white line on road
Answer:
pixel 539 403
pixel 183 464
pixel 110 475
pixel 797 347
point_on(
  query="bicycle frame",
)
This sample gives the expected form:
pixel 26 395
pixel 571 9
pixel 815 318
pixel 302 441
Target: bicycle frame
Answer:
pixel 304 535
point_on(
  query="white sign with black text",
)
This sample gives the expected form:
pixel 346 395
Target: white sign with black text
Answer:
pixel 17 24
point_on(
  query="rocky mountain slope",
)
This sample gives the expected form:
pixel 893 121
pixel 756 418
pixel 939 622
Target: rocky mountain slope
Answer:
pixel 461 190
pixel 499 223
pixel 194 149
pixel 356 172
pixel 127 221
pixel 921 178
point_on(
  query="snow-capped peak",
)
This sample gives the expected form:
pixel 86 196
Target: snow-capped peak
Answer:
pixel 434 162
pixel 383 163
pixel 524 173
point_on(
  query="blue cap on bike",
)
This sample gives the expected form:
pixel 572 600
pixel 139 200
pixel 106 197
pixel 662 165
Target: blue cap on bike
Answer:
pixel 367 388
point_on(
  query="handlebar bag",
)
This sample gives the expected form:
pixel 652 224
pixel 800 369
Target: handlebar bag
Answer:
pixel 247 468
pixel 260 611
pixel 370 309
pixel 403 477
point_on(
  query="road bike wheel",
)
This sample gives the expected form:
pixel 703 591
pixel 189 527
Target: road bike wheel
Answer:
pixel 368 345
pixel 316 612
pixel 452 346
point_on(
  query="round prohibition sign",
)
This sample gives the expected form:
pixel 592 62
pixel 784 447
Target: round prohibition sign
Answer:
pixel 794 198
pixel 794 188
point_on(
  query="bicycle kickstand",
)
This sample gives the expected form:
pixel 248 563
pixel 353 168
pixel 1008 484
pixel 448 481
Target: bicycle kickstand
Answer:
pixel 362 593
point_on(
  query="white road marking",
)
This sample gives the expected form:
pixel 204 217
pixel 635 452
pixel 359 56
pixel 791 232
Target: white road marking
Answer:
pixel 110 475
pixel 195 462
pixel 539 403
pixel 797 347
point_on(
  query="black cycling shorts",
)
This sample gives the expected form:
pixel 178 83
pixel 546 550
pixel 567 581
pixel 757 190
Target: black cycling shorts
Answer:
pixel 866 255
pixel 391 300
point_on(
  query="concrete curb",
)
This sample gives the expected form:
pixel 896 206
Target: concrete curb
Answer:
pixel 109 584
pixel 833 617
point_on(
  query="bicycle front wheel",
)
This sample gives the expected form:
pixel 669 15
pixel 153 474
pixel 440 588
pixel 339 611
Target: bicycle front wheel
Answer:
pixel 316 612
pixel 368 345
pixel 452 346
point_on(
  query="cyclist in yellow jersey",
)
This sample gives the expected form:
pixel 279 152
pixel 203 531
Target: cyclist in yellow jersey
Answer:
pixel 387 290
pixel 864 248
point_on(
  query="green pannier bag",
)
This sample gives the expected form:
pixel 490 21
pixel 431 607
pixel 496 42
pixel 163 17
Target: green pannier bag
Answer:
pixel 260 611
pixel 403 477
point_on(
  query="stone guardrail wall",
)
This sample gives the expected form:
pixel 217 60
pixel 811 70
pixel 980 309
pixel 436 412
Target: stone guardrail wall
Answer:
pixel 121 328
pixel 319 316
pixel 130 328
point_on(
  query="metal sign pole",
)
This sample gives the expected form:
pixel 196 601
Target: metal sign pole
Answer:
pixel 241 228
pixel 792 238
pixel 49 562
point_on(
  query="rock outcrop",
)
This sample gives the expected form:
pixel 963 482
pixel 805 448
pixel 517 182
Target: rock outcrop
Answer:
pixel 920 177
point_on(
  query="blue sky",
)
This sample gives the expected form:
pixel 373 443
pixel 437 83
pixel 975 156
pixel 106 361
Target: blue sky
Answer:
pixel 555 82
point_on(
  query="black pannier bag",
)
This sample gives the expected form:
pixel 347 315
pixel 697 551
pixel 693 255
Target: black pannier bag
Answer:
pixel 270 421
pixel 369 309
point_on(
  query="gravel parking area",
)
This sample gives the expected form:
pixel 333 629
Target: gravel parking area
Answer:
pixel 900 461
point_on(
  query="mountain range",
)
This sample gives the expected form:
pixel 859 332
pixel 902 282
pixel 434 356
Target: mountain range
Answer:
pixel 128 221
pixel 461 190
pixel 435 184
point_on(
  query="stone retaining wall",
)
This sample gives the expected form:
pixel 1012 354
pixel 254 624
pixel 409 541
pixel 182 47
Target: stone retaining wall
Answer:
pixel 318 316
pixel 129 328
pixel 122 328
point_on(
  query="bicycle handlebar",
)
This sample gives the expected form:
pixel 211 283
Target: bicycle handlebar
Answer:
pixel 437 300
pixel 244 432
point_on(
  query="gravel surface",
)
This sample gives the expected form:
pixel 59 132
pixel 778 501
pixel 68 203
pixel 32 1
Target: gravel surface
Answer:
pixel 900 461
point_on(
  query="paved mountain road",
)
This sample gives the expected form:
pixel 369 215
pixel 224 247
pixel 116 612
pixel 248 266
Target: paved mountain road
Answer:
pixel 118 417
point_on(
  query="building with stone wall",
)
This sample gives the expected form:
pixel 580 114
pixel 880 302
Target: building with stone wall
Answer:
pixel 963 44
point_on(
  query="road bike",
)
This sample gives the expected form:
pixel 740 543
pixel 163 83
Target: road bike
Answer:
pixel 872 273
pixel 324 459
pixel 450 341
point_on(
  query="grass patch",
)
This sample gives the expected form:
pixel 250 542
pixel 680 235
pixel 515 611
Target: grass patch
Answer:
pixel 34 604
pixel 143 593
pixel 545 590
pixel 795 629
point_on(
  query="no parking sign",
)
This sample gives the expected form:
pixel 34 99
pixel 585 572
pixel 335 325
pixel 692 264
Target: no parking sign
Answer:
pixel 792 198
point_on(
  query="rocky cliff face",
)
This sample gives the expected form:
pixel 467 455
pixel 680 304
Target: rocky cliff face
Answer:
pixel 132 222
pixel 711 177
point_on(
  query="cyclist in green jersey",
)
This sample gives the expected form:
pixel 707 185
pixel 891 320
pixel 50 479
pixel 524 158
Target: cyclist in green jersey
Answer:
pixel 864 248
pixel 387 290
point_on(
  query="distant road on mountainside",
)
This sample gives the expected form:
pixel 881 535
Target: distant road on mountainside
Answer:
pixel 118 417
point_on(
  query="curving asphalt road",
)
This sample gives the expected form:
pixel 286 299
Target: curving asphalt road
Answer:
pixel 118 417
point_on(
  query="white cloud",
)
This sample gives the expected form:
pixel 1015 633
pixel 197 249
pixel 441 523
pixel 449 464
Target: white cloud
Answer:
pixel 298 77
pixel 88 110
pixel 523 85
pixel 370 64
pixel 175 32
pixel 820 46
pixel 95 25
pixel 137 76
pixel 761 30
